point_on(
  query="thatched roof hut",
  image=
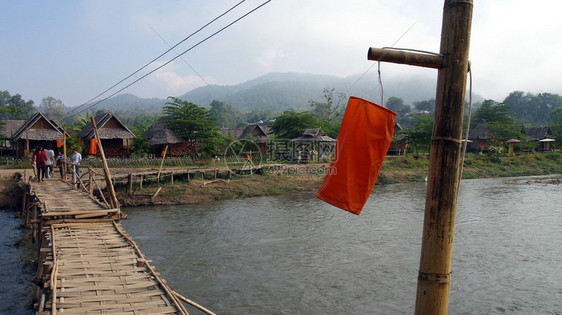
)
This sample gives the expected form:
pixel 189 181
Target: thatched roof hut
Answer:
pixel 37 130
pixel 313 135
pixel 116 138
pixel 159 136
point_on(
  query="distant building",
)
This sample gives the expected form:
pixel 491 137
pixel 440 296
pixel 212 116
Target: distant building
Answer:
pixel 22 135
pixel 256 133
pixel 540 134
pixel 115 137
pixel 159 136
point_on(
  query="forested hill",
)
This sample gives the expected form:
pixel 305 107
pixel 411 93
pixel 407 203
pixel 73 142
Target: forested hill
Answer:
pixel 283 91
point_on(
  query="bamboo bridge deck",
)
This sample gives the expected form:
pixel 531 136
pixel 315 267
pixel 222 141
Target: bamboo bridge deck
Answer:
pixel 87 264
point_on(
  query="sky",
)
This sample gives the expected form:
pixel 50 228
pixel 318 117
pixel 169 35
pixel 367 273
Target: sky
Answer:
pixel 74 50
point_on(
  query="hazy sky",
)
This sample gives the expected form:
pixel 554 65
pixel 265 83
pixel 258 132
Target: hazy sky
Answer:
pixel 73 50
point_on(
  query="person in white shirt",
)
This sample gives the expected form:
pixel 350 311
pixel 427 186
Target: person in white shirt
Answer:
pixel 50 160
pixel 76 158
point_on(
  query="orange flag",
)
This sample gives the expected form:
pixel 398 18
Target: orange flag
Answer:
pixel 365 135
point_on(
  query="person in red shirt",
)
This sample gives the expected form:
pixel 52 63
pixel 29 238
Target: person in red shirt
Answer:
pixel 40 159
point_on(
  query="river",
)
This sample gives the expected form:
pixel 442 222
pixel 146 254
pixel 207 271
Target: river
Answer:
pixel 294 254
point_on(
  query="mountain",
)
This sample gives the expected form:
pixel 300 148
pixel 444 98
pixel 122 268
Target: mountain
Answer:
pixel 283 91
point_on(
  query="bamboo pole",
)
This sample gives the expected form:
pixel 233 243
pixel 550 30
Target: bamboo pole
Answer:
pixel 445 156
pixel 64 166
pixel 402 57
pixel 162 164
pixel 112 197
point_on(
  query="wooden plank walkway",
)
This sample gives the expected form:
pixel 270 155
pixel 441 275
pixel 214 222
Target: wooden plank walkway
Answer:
pixel 87 263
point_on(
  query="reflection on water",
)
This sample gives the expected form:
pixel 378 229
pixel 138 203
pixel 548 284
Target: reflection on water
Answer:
pixel 294 254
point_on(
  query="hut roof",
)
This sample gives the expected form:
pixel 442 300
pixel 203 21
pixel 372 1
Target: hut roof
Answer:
pixel 9 127
pixel 314 135
pixel 538 133
pixel 255 130
pixel 234 132
pixel 45 129
pixel 479 132
pixel 159 134
pixel 109 127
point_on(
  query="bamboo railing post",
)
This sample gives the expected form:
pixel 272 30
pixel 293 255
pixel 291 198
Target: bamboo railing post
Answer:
pixel 64 166
pixel 130 183
pixel 162 164
pixel 90 181
pixel 112 197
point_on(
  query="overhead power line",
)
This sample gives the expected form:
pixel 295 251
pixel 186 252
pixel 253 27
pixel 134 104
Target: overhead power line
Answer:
pixel 186 51
pixel 153 60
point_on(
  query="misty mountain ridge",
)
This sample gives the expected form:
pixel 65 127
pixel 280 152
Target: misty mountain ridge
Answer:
pixel 284 91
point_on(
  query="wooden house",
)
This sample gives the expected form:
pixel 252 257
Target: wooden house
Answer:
pixel 399 144
pixel 22 135
pixel 314 142
pixel 7 130
pixel 479 138
pixel 159 136
pixel 115 137
pixel 256 133
pixel 540 134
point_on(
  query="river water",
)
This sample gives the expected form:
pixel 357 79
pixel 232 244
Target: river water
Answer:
pixel 294 254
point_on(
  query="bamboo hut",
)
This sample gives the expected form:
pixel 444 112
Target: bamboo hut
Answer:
pixel 116 138
pixel 314 144
pixel 480 137
pixel 38 130
pixel 159 136
pixel 255 132
pixel 541 134
pixel 399 144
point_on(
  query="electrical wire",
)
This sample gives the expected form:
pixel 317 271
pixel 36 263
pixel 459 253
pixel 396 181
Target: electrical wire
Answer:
pixel 468 121
pixel 160 56
pixel 168 62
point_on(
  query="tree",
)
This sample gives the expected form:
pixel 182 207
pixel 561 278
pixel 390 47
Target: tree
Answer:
pixel 191 122
pixel 226 115
pixel 52 108
pixel 530 108
pixel 555 117
pixel 425 106
pixel 492 111
pixel 332 109
pixel 291 124
pixel 420 136
pixel 397 105
pixel 498 120
pixel 14 107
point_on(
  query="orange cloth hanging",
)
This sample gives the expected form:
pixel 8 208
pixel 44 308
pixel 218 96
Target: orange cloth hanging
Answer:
pixel 93 147
pixel 365 135
pixel 59 143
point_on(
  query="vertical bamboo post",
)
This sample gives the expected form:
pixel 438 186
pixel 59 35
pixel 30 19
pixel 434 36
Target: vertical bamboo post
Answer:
pixel 130 183
pixel 162 164
pixel 445 156
pixel 90 181
pixel 112 197
pixel 64 166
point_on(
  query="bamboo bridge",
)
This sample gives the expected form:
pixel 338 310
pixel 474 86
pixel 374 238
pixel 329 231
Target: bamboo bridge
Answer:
pixel 87 264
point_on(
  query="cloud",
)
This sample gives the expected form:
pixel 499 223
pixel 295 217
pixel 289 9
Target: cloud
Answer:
pixel 169 81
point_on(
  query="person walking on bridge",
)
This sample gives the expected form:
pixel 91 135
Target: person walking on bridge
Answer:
pixel 76 158
pixel 40 159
